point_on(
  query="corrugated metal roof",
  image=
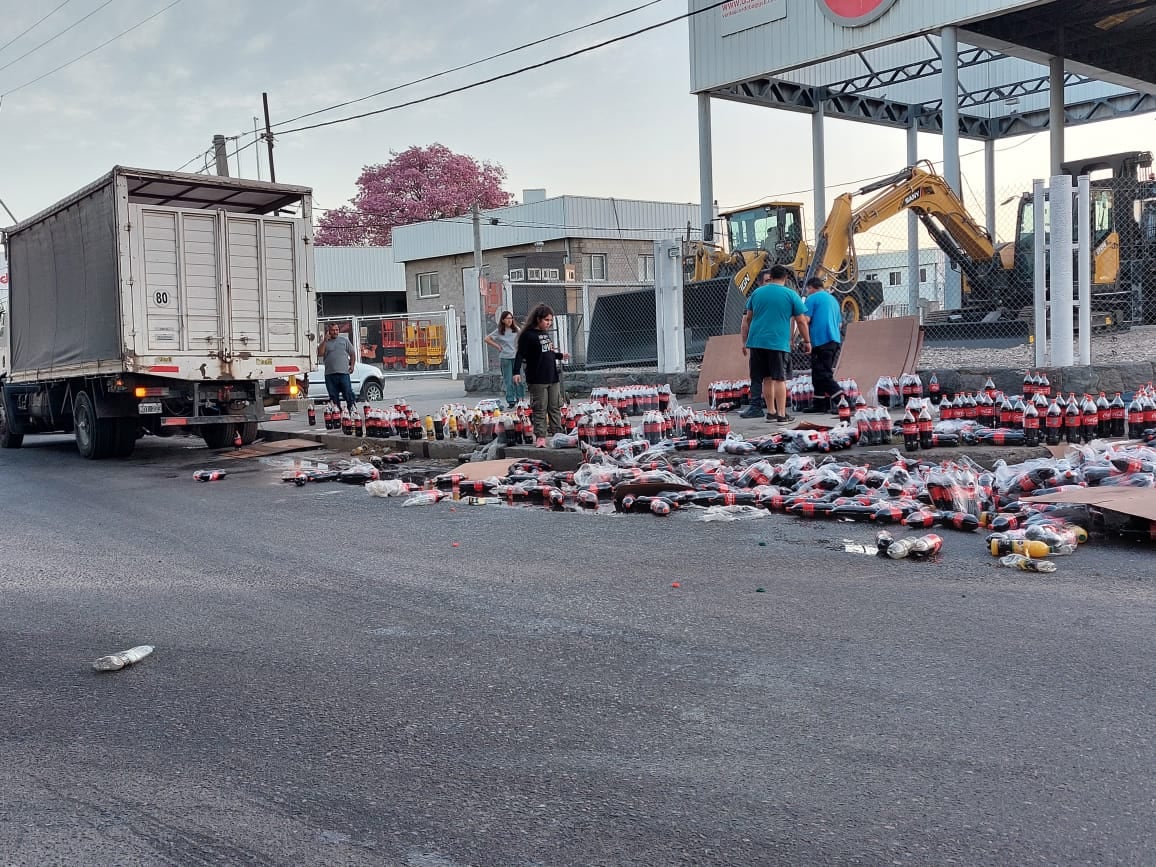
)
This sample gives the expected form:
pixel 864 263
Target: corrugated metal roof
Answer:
pixel 358 269
pixel 553 219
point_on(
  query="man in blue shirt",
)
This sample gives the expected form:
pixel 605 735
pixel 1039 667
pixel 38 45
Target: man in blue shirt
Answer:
pixel 826 338
pixel 766 336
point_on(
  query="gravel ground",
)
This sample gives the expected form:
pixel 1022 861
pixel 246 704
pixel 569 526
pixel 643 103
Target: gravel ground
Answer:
pixel 1117 347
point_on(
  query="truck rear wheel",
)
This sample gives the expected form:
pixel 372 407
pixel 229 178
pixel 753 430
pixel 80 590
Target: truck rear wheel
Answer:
pixel 8 440
pixel 124 437
pixel 94 436
pixel 218 436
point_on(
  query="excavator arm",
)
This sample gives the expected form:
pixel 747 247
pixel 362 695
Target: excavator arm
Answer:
pixel 919 189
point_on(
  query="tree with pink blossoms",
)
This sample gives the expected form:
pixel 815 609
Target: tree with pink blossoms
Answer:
pixel 418 184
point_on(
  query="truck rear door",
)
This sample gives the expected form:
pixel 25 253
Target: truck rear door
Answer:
pixel 218 282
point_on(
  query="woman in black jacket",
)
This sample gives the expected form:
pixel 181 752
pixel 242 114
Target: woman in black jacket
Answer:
pixel 536 351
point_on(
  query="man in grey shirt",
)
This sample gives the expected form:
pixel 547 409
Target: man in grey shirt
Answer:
pixel 339 355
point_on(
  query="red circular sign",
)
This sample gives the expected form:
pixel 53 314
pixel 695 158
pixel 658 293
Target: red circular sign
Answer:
pixel 854 13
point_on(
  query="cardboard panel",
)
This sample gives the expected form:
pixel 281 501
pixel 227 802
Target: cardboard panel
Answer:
pixel 880 347
pixel 1139 502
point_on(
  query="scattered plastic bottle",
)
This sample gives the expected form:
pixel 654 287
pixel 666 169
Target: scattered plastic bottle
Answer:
pixel 915 548
pixel 312 413
pixel 117 661
pixel 209 475
pixel 1027 564
pixel 1002 545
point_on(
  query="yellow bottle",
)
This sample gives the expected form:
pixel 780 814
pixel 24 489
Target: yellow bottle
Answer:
pixel 428 424
pixel 453 426
pixel 1027 547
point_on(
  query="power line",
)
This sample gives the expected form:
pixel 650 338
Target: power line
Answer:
pixel 512 73
pixel 56 36
pixel 482 60
pixel 28 30
pixel 91 50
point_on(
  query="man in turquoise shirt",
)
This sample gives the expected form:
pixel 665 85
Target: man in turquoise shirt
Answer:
pixel 826 338
pixel 766 336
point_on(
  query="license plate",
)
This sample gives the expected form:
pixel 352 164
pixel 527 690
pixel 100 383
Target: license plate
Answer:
pixel 152 408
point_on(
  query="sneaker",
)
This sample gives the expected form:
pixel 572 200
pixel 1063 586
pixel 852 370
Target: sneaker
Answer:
pixel 770 416
pixel 751 413
pixel 540 443
pixel 785 419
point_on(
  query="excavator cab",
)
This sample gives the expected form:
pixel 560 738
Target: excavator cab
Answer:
pixel 775 228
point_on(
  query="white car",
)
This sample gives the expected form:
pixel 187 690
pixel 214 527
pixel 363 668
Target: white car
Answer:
pixel 367 380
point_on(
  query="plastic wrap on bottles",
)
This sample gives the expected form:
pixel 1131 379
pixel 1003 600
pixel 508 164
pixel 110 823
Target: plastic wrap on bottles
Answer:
pixel 358 473
pixel 117 661
pixel 388 488
pixel 1027 564
pixel 425 498
pixel 732 513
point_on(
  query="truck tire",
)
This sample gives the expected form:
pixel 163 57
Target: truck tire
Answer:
pixel 95 437
pixel 124 437
pixel 8 440
pixel 218 436
pixel 249 431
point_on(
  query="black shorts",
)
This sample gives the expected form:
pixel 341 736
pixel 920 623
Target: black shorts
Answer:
pixel 770 364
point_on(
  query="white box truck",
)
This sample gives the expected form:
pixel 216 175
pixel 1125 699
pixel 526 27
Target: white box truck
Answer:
pixel 154 302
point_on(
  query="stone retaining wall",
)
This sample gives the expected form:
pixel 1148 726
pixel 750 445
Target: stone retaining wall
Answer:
pixel 1108 378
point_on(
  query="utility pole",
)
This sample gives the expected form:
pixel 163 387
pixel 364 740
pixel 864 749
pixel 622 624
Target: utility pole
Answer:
pixel 475 332
pixel 269 137
pixel 222 158
pixel 256 151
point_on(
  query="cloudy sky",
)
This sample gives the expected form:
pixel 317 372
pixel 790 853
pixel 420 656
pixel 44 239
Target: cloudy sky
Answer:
pixel 618 121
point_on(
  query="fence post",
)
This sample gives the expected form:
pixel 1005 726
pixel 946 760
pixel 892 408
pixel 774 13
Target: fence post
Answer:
pixel 1039 271
pixel 1060 217
pixel 1084 265
pixel 475 329
pixel 668 304
pixel 453 342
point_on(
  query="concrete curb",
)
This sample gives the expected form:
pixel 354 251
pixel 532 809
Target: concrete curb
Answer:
pixel 1095 378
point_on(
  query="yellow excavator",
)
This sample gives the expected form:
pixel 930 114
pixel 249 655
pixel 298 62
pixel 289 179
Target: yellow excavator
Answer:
pixel 918 189
pixel 770 233
pixel 999 279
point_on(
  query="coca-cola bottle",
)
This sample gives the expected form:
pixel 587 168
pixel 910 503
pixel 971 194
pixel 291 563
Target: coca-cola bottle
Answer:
pixel 910 431
pixel 933 389
pixel 1053 424
pixel 1031 425
pixel 1116 414
pixel 1103 415
pixel 1135 418
pixel 1073 421
pixel 926 427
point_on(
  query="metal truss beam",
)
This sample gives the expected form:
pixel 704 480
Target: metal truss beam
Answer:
pixel 927 68
pixel 775 93
pixel 1090 111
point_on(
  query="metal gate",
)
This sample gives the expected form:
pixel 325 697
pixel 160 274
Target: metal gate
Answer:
pixel 417 344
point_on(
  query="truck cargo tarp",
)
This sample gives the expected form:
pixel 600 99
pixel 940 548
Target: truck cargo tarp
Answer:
pixel 63 286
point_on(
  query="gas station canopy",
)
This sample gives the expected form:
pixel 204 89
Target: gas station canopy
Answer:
pixel 880 61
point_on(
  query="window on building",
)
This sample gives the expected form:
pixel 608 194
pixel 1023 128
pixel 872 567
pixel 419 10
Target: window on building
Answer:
pixel 646 269
pixel 895 278
pixel 594 266
pixel 549 273
pixel 533 273
pixel 427 285
pixel 922 275
pixel 517 274
pixel 872 277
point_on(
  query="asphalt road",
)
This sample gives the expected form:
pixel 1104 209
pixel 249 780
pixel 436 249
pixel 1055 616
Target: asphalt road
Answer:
pixel 335 682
